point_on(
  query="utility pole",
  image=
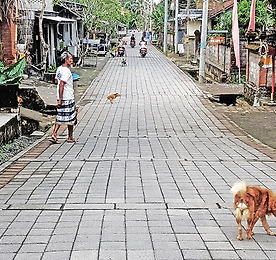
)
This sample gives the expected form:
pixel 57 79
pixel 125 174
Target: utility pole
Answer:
pixel 151 3
pixel 203 42
pixel 165 49
pixel 176 27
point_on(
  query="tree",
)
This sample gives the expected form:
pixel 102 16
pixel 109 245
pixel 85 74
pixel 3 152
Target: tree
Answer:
pixel 45 46
pixel 135 8
pixel 6 7
pixel 158 17
pixel 244 14
pixel 102 15
pixel 224 22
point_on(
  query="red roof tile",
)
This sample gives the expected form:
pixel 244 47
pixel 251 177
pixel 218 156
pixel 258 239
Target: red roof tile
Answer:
pixel 220 8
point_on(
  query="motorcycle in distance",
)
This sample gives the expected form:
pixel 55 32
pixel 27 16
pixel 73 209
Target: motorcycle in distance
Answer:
pixel 132 43
pixel 143 51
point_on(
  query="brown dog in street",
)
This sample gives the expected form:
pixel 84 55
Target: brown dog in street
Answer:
pixel 252 203
pixel 111 97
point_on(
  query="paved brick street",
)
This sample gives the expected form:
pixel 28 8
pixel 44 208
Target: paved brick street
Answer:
pixel 149 178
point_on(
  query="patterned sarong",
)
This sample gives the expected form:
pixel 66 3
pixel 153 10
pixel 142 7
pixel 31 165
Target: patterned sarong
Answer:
pixel 66 114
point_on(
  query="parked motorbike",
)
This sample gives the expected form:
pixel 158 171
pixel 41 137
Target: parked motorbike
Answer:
pixel 132 43
pixel 143 51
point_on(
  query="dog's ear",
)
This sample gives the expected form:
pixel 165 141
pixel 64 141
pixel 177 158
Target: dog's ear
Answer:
pixel 251 191
pixel 254 193
pixel 259 195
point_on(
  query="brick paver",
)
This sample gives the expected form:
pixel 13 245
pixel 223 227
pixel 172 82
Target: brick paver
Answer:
pixel 149 178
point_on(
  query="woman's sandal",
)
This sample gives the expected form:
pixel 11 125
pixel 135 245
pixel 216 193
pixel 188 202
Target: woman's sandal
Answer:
pixel 54 140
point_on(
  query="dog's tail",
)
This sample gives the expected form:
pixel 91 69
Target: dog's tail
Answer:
pixel 239 186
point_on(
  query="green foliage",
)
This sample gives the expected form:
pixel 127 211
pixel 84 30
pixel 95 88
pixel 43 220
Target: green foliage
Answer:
pixel 244 14
pixel 224 22
pixel 135 8
pixel 2 155
pixel 12 74
pixel 3 149
pixel 235 79
pixel 102 16
pixel 158 17
pixel 2 67
pixel 52 69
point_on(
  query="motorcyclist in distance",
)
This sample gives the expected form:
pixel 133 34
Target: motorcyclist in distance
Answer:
pixel 132 38
pixel 121 50
pixel 132 41
pixel 143 43
pixel 143 47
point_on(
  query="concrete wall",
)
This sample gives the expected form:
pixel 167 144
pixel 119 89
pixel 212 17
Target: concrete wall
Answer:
pixel 259 79
pixel 255 76
pixel 189 49
pixel 192 26
pixel 253 68
pixel 170 41
pixel 220 60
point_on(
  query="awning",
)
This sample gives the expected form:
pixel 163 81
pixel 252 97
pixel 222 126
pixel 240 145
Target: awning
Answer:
pixel 59 19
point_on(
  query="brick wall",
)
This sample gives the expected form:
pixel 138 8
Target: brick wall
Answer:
pixel 8 29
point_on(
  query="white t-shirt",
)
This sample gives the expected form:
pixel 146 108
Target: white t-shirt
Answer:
pixel 63 73
pixel 143 44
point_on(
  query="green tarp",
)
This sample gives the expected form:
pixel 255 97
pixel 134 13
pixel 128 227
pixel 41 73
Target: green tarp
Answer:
pixel 12 74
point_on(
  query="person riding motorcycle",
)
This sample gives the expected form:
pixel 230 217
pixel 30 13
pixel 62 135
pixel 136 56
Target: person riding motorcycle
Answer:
pixel 123 41
pixel 121 50
pixel 143 43
pixel 132 41
pixel 132 38
pixel 143 46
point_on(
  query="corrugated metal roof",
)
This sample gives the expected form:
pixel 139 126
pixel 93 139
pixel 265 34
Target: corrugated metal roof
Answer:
pixel 59 19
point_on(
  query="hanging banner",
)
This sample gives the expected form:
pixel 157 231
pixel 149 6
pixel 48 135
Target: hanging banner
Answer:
pixel 236 34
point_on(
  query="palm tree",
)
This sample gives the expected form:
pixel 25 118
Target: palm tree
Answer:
pixel 136 8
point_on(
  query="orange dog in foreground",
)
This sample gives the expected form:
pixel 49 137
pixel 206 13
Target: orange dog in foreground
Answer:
pixel 112 96
pixel 252 203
